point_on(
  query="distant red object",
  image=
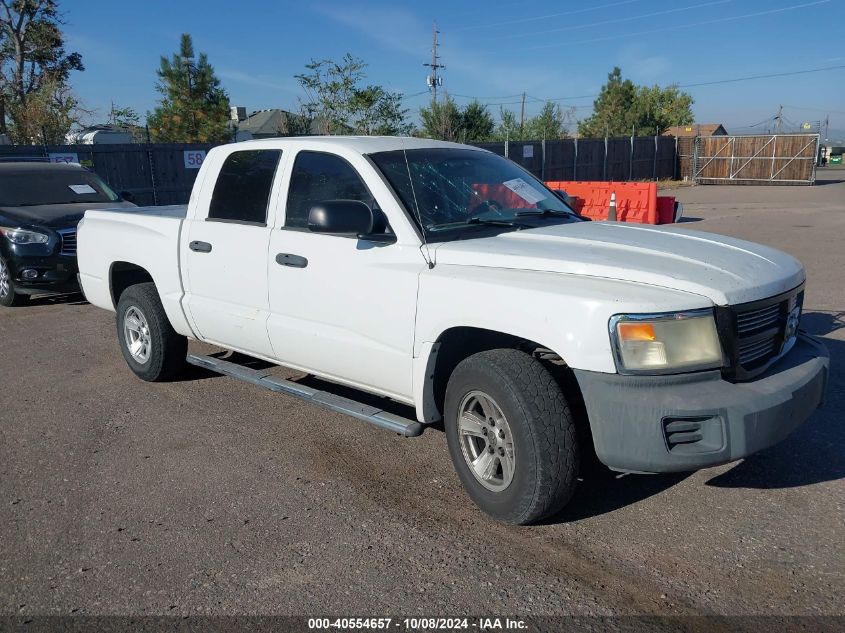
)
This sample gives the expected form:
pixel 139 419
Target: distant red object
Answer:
pixel 635 201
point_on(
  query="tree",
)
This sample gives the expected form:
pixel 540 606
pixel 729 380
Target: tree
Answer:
pixel 441 120
pixel 338 103
pixel 508 128
pixel 623 108
pixel 613 110
pixel 549 124
pixel 127 120
pixel 660 108
pixel 194 108
pixel 34 69
pixel 476 123
pixel 445 120
pixel 375 111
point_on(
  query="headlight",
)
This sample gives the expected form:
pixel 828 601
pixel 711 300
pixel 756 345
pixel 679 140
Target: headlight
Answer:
pixel 21 236
pixel 664 343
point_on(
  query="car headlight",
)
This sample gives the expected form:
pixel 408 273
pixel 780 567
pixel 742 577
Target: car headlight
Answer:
pixel 22 236
pixel 665 343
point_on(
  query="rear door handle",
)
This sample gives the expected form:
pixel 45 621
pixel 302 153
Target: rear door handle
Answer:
pixel 294 261
pixel 200 247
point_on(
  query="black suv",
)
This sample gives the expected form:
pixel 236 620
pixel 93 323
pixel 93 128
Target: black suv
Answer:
pixel 40 205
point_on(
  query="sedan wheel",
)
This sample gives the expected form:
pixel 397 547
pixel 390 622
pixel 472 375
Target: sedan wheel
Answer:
pixel 5 282
pixel 8 297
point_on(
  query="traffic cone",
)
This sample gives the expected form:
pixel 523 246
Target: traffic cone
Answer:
pixel 611 212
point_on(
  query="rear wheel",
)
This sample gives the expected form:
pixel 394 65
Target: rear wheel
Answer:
pixel 150 345
pixel 511 436
pixel 8 297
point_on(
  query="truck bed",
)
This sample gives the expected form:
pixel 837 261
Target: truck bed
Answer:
pixel 145 238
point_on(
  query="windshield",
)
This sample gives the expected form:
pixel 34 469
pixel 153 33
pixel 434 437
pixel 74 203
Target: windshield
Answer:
pixel 455 189
pixel 26 188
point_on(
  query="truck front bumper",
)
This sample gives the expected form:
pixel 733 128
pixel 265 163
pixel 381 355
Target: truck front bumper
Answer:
pixel 659 424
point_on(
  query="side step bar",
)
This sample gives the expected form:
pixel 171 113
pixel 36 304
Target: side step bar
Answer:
pixel 261 378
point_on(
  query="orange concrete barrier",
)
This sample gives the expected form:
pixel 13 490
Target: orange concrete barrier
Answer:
pixel 635 201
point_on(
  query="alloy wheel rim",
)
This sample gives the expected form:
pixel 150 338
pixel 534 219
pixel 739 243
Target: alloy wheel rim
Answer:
pixel 486 441
pixel 4 279
pixel 136 332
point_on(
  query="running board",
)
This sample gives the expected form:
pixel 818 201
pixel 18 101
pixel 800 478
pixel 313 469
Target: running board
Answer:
pixel 262 378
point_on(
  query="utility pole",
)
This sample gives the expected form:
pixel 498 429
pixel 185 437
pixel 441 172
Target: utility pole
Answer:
pixel 522 115
pixel 434 80
pixel 779 119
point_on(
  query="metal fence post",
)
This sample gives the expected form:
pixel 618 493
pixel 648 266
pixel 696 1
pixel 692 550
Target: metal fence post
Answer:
pixel 604 165
pixel 677 171
pixel 543 167
pixel 631 157
pixel 152 173
pixel 654 168
pixel 575 161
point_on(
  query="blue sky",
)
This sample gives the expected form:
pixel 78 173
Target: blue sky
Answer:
pixel 493 50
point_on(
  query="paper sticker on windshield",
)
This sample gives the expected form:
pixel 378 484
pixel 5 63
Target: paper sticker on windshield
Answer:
pixel 525 191
pixel 82 189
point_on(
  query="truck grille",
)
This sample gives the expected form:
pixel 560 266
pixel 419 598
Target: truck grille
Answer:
pixel 68 245
pixel 753 334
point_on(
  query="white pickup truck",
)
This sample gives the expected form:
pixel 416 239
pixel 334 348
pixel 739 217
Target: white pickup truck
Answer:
pixel 447 278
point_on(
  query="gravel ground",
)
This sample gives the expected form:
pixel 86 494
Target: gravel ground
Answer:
pixel 210 496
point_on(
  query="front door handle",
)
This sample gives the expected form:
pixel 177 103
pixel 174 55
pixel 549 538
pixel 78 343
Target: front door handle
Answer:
pixel 200 247
pixel 294 261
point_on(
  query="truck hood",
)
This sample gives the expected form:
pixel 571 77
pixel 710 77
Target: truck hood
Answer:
pixel 55 216
pixel 725 270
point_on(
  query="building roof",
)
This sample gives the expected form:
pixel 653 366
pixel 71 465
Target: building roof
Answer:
pixel 265 122
pixel 696 129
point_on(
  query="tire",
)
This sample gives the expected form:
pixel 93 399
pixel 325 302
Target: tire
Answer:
pixel 535 436
pixel 8 297
pixel 150 345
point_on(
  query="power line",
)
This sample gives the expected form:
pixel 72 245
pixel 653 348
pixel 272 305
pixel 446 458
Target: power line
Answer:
pixel 786 74
pixel 826 110
pixel 618 20
pixel 688 85
pixel 617 36
pixel 416 94
pixel 544 17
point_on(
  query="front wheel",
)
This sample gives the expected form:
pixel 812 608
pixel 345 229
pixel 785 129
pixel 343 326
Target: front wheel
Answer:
pixel 511 436
pixel 8 296
pixel 150 345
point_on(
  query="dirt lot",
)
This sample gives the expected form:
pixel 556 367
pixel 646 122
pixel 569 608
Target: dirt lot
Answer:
pixel 210 496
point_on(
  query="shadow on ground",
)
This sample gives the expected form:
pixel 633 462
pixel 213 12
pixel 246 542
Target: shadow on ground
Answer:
pixel 813 453
pixel 75 299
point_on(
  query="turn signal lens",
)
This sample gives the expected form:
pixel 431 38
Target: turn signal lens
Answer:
pixel 636 332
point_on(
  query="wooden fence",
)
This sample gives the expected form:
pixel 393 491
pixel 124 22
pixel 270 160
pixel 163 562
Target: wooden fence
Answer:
pixel 767 159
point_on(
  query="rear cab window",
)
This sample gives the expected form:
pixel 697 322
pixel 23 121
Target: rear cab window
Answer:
pixel 242 191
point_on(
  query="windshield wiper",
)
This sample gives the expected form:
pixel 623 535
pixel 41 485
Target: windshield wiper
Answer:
pixel 494 222
pixel 546 213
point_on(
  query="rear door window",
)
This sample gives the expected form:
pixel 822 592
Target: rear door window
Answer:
pixel 242 191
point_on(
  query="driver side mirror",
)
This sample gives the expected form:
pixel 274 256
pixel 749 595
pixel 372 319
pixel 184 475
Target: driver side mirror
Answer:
pixel 345 217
